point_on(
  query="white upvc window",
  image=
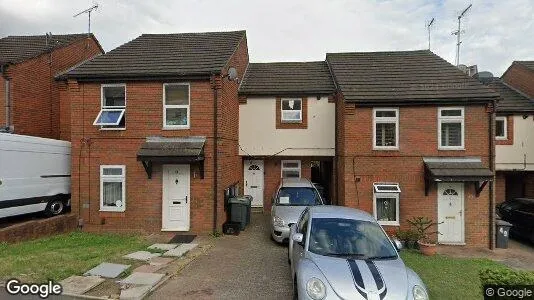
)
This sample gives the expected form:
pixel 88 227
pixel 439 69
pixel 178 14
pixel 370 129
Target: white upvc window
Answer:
pixel 176 105
pixel 113 107
pixel 451 128
pixel 386 203
pixel 291 110
pixel 386 128
pixel 113 188
pixel 291 168
pixel 501 128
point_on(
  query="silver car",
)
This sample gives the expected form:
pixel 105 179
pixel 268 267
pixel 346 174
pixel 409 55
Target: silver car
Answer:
pixel 342 253
pixel 291 198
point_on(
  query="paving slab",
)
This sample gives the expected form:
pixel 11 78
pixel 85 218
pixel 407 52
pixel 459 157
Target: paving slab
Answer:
pixel 180 250
pixel 107 270
pixel 142 255
pixel 135 292
pixel 79 285
pixel 142 278
pixel 165 247
pixel 147 268
pixel 160 261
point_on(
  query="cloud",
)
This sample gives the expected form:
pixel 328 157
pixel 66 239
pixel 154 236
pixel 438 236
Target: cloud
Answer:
pixel 496 32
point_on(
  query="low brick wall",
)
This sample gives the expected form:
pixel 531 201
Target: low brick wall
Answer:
pixel 34 229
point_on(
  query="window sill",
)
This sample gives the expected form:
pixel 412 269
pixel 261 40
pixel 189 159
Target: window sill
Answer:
pixel 386 148
pixel 291 122
pixel 501 138
pixel 176 128
pixel 388 223
pixel 451 148
pixel 103 209
pixel 112 129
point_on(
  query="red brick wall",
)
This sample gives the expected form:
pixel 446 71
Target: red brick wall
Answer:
pixel 35 93
pixel 2 102
pixel 417 139
pixel 500 187
pixel 144 118
pixel 521 78
pixel 35 229
pixel 273 174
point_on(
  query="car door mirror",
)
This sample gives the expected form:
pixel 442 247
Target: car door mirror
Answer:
pixel 297 237
pixel 398 244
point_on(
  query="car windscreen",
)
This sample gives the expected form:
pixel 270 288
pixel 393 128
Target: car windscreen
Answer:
pixel 298 196
pixel 349 238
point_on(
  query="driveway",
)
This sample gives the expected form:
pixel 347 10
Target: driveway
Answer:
pixel 248 266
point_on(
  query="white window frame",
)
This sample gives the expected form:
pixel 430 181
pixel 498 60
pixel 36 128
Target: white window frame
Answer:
pixel 104 107
pixel 113 178
pixel 282 169
pixel 505 127
pixel 282 120
pixel 188 107
pixel 389 120
pixel 451 119
pixel 393 195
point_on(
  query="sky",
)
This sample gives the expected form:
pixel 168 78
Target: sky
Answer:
pixel 497 32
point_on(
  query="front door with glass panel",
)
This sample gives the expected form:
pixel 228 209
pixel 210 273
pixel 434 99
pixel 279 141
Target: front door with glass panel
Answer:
pixel 176 199
pixel 451 213
pixel 254 181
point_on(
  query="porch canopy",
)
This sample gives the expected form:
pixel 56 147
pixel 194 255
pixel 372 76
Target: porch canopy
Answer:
pixel 457 169
pixel 179 150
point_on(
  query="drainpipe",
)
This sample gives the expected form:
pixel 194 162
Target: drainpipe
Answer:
pixel 215 156
pixel 492 168
pixel 7 97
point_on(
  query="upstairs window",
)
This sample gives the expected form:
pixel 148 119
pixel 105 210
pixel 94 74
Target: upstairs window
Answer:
pixel 291 169
pixel 386 203
pixel 451 128
pixel 112 188
pixel 113 107
pixel 291 110
pixel 176 110
pixel 386 128
pixel 501 128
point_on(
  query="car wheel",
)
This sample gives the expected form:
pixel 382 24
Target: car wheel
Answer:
pixel 54 208
pixel 295 289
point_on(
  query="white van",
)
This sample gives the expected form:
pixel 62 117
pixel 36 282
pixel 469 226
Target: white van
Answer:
pixel 34 175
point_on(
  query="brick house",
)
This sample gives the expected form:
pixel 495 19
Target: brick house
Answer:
pixel 286 126
pixel 414 138
pixel 515 131
pixel 28 91
pixel 155 132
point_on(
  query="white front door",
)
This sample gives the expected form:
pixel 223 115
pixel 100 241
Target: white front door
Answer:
pixel 451 213
pixel 254 181
pixel 176 199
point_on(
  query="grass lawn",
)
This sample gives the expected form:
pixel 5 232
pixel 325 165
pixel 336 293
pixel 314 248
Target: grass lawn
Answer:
pixel 449 278
pixel 63 255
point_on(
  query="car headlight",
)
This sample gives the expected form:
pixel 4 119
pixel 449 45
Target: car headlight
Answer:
pixel 419 293
pixel 316 289
pixel 277 221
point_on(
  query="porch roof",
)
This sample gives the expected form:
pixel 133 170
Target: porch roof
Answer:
pixel 179 150
pixel 456 169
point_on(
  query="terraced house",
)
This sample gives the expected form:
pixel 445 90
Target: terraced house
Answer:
pixel 28 92
pixel 165 127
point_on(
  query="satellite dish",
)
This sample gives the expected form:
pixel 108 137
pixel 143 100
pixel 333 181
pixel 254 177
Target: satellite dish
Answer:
pixel 484 76
pixel 463 68
pixel 232 74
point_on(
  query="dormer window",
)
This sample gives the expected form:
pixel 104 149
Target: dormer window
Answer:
pixel 113 107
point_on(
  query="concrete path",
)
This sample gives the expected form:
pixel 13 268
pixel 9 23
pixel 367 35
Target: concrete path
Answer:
pixel 248 266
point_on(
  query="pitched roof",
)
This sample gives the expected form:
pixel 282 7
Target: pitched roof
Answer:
pixel 512 100
pixel 287 78
pixel 160 55
pixel 16 49
pixel 403 77
pixel 526 63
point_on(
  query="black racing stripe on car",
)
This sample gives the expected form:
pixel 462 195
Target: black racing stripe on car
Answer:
pixel 378 278
pixel 357 277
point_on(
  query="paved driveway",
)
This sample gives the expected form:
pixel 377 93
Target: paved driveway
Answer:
pixel 248 266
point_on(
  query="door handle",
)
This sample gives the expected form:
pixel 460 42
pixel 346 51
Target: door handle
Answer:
pixel 246 182
pixel 176 181
pixel 176 202
pixel 186 199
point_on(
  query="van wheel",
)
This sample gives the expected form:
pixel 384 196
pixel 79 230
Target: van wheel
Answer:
pixel 54 208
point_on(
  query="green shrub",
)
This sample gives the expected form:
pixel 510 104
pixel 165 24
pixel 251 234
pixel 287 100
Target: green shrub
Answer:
pixel 505 276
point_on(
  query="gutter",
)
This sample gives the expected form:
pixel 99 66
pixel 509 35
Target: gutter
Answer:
pixel 215 150
pixel 492 168
pixel 7 97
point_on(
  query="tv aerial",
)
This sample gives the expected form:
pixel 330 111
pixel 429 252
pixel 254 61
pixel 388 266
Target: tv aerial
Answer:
pixel 88 12
pixel 459 32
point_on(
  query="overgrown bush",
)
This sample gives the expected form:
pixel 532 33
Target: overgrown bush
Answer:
pixel 505 276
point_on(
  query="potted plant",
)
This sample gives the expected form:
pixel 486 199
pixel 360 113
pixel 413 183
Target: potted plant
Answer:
pixel 408 238
pixel 426 238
